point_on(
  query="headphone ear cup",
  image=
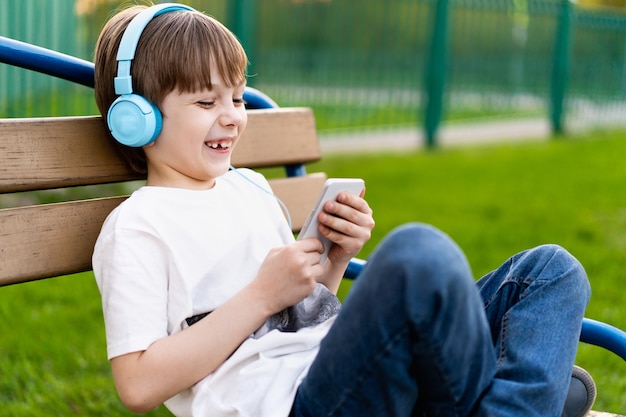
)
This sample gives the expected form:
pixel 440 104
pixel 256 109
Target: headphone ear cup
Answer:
pixel 134 121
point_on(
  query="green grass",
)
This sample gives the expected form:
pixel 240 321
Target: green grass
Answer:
pixel 494 201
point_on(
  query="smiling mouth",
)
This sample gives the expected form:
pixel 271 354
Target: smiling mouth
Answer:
pixel 221 146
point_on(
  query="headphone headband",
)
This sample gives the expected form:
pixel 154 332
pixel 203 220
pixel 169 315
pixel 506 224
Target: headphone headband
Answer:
pixel 132 119
pixel 130 39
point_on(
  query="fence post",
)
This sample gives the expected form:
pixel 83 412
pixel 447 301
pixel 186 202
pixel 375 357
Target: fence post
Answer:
pixel 436 71
pixel 242 16
pixel 560 67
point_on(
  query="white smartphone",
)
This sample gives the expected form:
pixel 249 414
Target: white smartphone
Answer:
pixel 332 188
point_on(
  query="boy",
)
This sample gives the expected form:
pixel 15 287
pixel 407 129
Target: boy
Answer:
pixel 212 308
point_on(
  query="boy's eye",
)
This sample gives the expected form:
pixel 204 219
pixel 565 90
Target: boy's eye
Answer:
pixel 239 101
pixel 206 103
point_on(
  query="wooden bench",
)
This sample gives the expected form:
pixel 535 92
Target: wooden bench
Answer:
pixel 48 240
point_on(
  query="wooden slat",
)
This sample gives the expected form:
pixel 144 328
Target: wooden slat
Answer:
pixel 46 153
pixel 57 239
pixel 278 137
pixel 56 152
pixel 50 239
pixel 299 194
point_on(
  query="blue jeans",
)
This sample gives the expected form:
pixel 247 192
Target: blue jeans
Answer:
pixel 417 336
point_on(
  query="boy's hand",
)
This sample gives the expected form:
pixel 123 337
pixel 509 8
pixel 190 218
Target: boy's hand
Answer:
pixel 289 274
pixel 348 223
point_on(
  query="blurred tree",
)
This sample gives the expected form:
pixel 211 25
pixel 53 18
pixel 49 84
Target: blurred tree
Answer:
pixel 83 7
pixel 603 3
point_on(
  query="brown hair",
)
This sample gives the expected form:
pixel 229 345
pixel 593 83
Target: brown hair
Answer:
pixel 175 50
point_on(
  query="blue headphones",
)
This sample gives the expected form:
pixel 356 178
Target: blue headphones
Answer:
pixel 132 119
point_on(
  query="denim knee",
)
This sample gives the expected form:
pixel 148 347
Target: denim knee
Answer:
pixel 552 261
pixel 423 258
pixel 413 242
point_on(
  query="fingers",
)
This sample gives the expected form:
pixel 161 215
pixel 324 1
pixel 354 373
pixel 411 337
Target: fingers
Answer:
pixel 312 250
pixel 349 215
pixel 289 273
pixel 348 223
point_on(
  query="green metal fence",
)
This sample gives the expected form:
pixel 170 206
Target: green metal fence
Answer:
pixel 373 64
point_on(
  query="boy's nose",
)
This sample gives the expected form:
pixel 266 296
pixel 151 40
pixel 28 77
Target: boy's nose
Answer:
pixel 231 116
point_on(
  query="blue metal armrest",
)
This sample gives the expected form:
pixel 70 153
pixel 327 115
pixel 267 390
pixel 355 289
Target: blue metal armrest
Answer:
pixel 593 332
pixel 604 335
pixel 46 61
pixel 79 71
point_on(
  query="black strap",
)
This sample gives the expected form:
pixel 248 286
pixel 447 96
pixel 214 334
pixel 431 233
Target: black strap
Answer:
pixel 194 319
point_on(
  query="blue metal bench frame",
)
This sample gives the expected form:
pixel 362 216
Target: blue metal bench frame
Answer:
pixel 79 71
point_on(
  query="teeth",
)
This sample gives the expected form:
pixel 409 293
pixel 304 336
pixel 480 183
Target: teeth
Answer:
pixel 218 146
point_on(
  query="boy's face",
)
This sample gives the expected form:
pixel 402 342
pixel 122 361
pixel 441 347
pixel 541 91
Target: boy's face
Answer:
pixel 200 131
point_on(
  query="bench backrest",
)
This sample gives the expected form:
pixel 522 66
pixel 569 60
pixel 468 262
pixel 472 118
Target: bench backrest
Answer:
pixel 48 240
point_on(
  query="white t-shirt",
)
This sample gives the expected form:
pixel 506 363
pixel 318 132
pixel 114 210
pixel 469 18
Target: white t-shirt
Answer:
pixel 167 254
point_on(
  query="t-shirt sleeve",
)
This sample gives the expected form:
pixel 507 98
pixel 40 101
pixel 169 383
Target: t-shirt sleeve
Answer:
pixel 131 273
